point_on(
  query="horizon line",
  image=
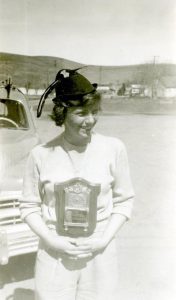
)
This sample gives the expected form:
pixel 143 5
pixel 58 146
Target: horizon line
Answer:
pixel 93 65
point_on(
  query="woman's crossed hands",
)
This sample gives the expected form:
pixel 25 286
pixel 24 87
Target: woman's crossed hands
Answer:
pixel 76 248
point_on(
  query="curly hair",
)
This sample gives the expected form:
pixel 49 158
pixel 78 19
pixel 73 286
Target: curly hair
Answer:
pixel 59 114
pixel 60 111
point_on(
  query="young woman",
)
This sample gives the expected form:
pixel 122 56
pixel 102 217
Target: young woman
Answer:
pixel 78 262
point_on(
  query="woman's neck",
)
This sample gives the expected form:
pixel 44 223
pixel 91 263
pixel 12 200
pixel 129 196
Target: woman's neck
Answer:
pixel 79 142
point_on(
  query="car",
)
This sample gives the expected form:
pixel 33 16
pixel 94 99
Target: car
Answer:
pixel 18 135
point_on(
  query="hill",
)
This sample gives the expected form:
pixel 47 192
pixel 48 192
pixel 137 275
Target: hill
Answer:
pixel 40 71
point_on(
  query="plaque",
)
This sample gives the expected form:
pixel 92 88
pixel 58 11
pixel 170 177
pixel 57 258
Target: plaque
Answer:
pixel 76 206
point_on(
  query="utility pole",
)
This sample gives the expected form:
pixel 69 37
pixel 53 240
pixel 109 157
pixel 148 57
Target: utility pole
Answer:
pixel 61 63
pixel 100 74
pixel 47 79
pixel 154 77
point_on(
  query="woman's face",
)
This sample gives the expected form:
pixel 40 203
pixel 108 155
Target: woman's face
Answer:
pixel 79 122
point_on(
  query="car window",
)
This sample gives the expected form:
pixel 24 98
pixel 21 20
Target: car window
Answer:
pixel 12 115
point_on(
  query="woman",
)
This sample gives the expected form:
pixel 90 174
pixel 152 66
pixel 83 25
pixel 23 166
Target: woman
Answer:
pixel 77 261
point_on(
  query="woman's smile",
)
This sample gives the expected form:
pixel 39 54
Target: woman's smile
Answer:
pixel 79 123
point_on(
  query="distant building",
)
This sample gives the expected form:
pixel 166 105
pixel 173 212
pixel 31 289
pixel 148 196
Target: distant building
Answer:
pixel 137 90
pixel 31 92
pixel 103 88
pixel 106 91
pixel 147 91
pixel 39 92
pixel 167 87
pixel 23 90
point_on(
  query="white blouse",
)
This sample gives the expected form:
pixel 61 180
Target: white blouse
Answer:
pixel 103 161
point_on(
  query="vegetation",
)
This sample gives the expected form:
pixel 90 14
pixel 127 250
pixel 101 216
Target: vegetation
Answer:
pixel 39 71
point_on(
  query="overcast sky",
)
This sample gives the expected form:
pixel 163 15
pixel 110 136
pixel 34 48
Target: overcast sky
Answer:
pixel 101 32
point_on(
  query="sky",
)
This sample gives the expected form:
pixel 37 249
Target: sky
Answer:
pixel 97 32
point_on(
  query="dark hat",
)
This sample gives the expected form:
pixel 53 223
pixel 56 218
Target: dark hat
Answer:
pixel 68 85
pixel 72 84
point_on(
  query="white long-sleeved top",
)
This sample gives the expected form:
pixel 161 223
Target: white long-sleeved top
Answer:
pixel 103 161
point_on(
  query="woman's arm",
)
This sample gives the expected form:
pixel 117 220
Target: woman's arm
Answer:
pixel 115 223
pixel 99 244
pixel 50 238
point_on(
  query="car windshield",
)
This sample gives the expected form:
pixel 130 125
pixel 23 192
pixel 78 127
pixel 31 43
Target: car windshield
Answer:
pixel 12 115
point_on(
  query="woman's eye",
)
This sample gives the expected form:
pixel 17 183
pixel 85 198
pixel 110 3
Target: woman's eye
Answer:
pixel 83 114
pixel 95 112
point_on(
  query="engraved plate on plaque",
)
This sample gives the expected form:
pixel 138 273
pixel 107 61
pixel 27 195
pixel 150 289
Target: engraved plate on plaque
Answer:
pixel 76 206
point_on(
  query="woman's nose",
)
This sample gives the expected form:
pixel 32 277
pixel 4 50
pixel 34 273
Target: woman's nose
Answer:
pixel 90 119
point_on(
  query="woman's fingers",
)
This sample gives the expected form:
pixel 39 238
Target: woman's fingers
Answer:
pixel 84 247
pixel 77 251
pixel 75 257
pixel 85 255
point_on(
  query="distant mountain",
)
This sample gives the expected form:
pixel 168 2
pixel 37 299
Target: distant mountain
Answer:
pixel 40 71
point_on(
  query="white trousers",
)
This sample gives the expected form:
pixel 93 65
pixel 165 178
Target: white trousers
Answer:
pixel 60 278
pixel 82 279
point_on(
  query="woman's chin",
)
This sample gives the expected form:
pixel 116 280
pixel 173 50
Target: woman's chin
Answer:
pixel 84 136
pixel 85 133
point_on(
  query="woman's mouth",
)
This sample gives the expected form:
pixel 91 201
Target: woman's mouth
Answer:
pixel 86 130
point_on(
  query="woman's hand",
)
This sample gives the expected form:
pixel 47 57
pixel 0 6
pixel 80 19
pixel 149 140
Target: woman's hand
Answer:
pixel 72 247
pixel 61 244
pixel 67 246
pixel 92 244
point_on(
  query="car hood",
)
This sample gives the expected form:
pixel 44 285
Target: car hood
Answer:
pixel 14 149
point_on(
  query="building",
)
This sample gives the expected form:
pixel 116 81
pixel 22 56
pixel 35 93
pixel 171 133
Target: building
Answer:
pixel 166 87
pixel 23 90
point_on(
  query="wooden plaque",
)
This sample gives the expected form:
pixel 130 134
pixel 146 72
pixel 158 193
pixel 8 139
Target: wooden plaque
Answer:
pixel 76 206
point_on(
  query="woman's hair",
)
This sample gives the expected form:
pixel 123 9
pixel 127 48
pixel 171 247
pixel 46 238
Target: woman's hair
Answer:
pixel 60 111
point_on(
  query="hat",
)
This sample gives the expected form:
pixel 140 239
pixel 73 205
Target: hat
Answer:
pixel 71 84
pixel 68 85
